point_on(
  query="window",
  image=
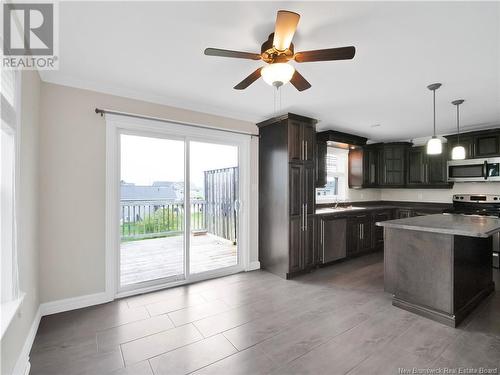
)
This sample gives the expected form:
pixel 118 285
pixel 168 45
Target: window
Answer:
pixel 10 294
pixel 336 172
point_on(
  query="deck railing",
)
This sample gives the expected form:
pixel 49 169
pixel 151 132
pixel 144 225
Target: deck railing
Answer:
pixel 158 218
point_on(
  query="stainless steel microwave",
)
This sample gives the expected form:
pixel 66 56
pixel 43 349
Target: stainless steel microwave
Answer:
pixel 474 170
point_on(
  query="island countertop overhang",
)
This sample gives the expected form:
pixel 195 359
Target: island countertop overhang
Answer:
pixel 460 225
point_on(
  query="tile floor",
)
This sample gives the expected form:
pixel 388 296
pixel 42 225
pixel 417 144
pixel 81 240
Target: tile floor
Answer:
pixel 336 320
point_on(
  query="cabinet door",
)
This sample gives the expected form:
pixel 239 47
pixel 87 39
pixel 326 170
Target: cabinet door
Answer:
pixel 295 256
pixel 309 242
pixel 321 148
pixel 295 189
pixel 436 168
pixel 486 145
pixel 309 139
pixel 295 144
pixel 308 187
pixel 392 163
pixel 365 232
pixel 333 239
pixel 370 167
pixel 416 166
pixel 352 236
pixel 378 232
pixel 355 170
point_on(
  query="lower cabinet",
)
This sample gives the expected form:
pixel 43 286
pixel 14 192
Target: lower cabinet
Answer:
pixel 359 234
pixel 302 244
pixel 378 232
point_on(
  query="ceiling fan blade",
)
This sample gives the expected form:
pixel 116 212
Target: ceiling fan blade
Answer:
pixel 229 53
pixel 342 53
pixel 286 24
pixel 299 82
pixel 248 80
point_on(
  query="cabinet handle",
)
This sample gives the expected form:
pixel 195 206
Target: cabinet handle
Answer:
pixel 302 151
pixel 305 153
pixel 305 217
pixel 361 231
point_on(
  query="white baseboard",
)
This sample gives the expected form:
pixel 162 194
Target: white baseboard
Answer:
pixel 23 365
pixel 254 266
pixel 54 307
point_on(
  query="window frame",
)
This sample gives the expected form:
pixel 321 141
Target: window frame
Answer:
pixel 342 189
pixel 11 306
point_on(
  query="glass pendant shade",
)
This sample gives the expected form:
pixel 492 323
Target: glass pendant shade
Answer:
pixel 434 146
pixel 458 153
pixel 277 74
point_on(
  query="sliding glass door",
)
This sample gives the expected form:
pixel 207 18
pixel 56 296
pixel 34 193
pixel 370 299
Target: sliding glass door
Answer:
pixel 214 191
pixel 179 206
pixel 152 219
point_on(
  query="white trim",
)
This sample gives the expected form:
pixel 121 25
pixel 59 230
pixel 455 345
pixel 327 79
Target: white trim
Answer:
pixel 67 304
pixel 116 125
pixel 253 266
pixel 22 366
pixel 9 311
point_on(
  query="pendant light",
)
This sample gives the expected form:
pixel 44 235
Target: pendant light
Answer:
pixel 434 145
pixel 458 152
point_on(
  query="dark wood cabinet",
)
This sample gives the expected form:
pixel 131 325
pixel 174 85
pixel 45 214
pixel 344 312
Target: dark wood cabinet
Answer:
pixel 478 144
pixel 321 149
pixel 486 145
pixel 378 232
pixel 287 177
pixel 371 166
pixel 393 164
pixel 359 234
pixel 426 171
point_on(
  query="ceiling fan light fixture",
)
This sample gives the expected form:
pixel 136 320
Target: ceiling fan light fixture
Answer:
pixel 277 74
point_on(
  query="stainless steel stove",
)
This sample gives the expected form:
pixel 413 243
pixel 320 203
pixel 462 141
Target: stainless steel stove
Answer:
pixel 479 205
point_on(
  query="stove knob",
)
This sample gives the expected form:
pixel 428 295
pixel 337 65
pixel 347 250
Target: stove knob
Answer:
pixel 495 198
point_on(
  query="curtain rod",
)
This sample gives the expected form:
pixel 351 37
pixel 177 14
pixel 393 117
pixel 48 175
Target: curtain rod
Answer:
pixel 134 115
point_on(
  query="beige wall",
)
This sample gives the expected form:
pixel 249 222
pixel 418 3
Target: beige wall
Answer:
pixel 15 337
pixel 72 184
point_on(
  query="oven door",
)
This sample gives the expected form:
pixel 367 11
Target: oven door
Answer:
pixel 474 170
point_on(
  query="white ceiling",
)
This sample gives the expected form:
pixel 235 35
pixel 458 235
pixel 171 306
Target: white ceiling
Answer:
pixel 154 51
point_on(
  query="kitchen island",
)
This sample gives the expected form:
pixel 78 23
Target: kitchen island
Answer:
pixel 439 266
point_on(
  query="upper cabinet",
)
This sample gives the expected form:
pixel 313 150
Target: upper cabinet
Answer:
pixel 301 141
pixel 371 165
pixel 426 171
pixel 393 164
pixel 478 144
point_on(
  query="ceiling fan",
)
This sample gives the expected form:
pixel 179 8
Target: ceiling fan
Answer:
pixel 278 50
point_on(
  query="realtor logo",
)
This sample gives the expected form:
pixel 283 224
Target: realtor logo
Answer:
pixel 29 36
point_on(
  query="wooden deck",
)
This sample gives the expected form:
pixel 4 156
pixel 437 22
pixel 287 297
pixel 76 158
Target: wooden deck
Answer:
pixel 156 258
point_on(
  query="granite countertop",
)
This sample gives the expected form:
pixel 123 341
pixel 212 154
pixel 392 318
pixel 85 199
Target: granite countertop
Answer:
pixel 472 226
